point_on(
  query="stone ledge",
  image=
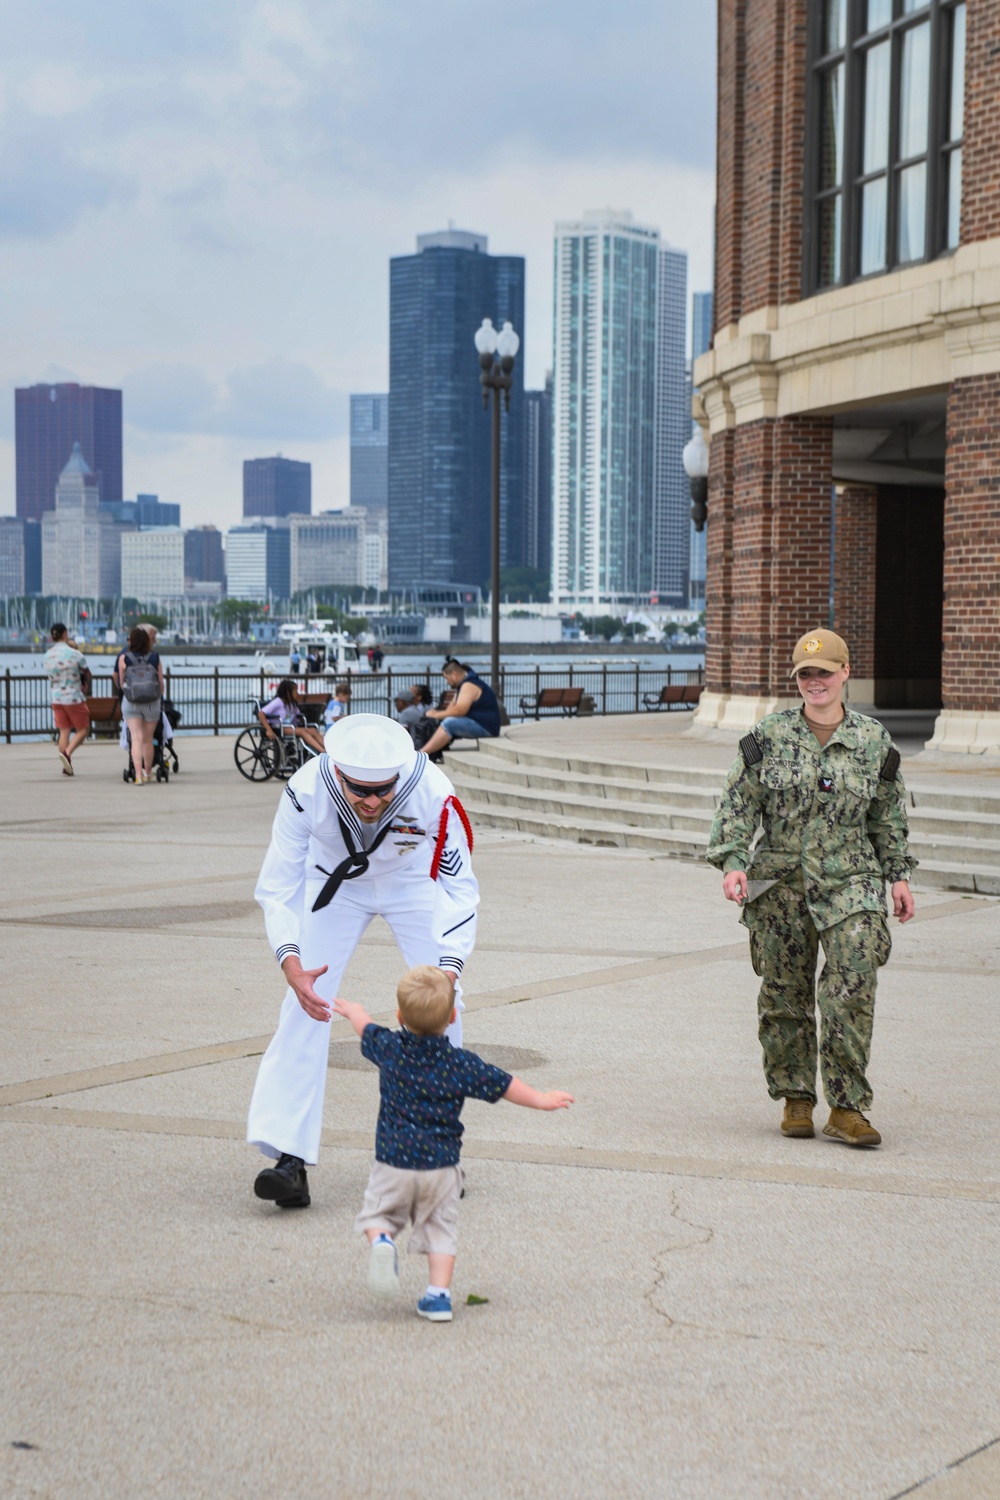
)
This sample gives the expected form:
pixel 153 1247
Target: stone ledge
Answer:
pixel 961 731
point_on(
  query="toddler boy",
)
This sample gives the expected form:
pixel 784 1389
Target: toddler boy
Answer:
pixel 416 1179
pixel 337 705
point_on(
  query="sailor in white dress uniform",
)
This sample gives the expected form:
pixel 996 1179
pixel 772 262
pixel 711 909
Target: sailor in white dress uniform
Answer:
pixel 369 829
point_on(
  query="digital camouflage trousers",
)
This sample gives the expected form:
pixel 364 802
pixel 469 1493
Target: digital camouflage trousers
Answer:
pixel 784 947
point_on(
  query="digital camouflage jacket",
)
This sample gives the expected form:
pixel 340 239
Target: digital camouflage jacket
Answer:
pixel 827 816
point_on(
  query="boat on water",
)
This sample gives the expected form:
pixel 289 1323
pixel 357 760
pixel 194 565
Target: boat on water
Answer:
pixel 318 647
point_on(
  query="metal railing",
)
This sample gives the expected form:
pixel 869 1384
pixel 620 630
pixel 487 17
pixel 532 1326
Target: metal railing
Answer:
pixel 217 701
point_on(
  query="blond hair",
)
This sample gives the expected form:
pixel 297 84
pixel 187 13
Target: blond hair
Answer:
pixel 426 1000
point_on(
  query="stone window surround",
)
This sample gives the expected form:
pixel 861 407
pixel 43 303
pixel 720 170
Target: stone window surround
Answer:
pixel 912 330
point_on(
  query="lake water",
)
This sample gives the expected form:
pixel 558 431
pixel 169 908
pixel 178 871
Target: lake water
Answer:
pixel 28 662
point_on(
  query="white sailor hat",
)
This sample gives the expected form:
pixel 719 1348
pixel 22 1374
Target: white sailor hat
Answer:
pixel 369 747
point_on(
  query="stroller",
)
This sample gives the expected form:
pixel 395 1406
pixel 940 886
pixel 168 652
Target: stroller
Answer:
pixel 164 755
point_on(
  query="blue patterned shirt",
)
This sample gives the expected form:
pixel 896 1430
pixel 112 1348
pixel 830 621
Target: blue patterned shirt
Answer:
pixel 424 1081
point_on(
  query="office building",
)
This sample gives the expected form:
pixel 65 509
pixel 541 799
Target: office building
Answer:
pixel 850 396
pixel 11 557
pixel 370 451
pixel 672 494
pixel 144 510
pixel 538 478
pixel 439 435
pixel 48 420
pixel 327 549
pixel 258 562
pixel 276 487
pixel 81 543
pixel 701 322
pixel 620 508
pixel 153 564
pixel 204 561
pixel 32 557
pixel 701 341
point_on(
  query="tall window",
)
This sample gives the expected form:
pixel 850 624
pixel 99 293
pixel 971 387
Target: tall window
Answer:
pixel 887 82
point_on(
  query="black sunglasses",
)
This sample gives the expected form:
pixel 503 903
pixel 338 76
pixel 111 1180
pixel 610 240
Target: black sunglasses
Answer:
pixel 369 791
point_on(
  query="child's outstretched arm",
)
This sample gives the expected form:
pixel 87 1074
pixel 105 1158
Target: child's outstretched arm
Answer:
pixel 353 1012
pixel 523 1093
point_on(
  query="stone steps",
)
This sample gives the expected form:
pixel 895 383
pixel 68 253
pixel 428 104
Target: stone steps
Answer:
pixel 668 810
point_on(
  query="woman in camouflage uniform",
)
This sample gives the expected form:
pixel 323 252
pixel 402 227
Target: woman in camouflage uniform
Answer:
pixel 823 784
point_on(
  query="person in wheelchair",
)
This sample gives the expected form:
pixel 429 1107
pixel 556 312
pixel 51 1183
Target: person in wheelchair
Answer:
pixel 283 716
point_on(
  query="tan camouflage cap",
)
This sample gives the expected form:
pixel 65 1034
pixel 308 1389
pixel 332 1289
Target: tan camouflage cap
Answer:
pixel 820 648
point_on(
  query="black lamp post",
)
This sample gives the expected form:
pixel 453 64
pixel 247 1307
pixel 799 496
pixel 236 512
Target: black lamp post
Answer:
pixel 496 377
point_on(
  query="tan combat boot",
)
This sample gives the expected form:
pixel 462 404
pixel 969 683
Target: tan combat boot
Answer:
pixel 850 1126
pixel 798 1117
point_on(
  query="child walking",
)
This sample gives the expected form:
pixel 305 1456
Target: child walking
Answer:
pixel 416 1179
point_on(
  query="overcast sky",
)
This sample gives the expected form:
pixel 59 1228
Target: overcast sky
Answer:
pixel 199 198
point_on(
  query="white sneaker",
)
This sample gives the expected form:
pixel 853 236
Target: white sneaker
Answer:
pixel 383 1269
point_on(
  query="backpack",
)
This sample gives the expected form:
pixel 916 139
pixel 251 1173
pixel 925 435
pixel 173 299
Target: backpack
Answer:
pixel 142 680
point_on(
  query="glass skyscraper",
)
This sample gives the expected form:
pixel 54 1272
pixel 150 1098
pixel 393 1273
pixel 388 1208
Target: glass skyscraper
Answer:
pixel 619 425
pixel 277 487
pixel 672 510
pixel 370 451
pixel 538 478
pixel 439 435
pixel 702 304
pixel 48 420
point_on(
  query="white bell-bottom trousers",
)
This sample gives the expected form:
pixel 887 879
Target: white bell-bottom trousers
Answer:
pixel 286 1109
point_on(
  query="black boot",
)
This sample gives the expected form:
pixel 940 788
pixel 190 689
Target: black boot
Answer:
pixel 285 1184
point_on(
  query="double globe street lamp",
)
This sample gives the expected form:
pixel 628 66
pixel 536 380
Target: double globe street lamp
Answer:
pixel 497 352
pixel 695 459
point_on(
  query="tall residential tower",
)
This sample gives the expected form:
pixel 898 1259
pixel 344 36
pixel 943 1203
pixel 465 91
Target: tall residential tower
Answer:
pixel 620 421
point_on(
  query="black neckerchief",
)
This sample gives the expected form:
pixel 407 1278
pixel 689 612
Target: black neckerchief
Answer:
pixel 350 868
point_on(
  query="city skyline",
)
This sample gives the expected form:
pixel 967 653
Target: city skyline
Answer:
pixel 233 333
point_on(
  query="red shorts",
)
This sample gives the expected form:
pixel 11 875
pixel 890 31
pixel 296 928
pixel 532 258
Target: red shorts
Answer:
pixel 71 715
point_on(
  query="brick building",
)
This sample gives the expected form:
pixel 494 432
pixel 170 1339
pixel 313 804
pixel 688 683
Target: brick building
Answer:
pixel 852 394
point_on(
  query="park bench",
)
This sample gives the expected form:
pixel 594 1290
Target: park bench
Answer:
pixel 313 706
pixel 564 700
pixel 105 716
pixel 674 695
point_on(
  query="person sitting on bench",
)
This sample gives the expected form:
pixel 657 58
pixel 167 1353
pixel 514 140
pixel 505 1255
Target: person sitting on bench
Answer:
pixel 474 714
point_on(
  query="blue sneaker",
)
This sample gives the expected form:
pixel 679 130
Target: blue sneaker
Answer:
pixel 435 1309
pixel 383 1269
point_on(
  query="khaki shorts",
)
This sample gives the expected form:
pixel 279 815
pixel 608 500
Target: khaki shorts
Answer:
pixel 397 1196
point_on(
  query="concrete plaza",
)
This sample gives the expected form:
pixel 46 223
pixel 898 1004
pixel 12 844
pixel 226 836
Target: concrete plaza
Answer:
pixel 681 1303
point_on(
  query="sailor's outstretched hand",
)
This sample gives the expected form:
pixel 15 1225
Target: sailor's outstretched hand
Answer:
pixel 302 981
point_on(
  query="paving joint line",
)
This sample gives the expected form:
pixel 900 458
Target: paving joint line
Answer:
pixel 528 1154
pixel 196 1057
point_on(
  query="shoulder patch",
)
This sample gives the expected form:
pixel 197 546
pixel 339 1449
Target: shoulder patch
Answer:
pixel 890 766
pixel 295 801
pixel 751 750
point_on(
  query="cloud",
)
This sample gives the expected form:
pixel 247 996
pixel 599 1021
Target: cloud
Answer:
pixel 279 400
pixel 168 398
pixel 46 188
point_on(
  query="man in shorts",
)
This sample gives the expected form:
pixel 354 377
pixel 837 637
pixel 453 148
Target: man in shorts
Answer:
pixel 64 666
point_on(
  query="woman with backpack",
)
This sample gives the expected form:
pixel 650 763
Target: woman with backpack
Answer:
pixel 141 681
